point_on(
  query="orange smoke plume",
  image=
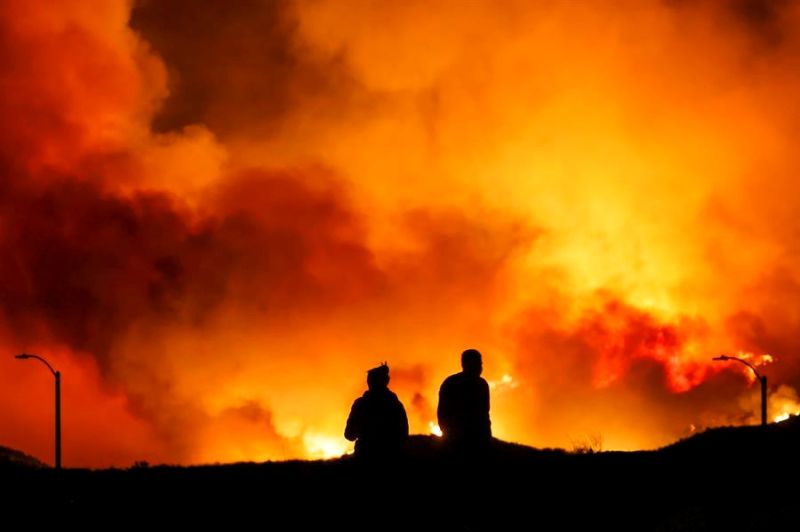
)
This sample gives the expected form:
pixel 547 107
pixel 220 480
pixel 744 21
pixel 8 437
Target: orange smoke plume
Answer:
pixel 214 218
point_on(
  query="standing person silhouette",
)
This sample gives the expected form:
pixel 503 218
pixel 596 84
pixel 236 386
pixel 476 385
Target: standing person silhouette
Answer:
pixel 377 420
pixel 464 406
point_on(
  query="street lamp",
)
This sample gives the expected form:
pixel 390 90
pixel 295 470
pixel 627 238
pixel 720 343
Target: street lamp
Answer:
pixel 57 374
pixel 761 378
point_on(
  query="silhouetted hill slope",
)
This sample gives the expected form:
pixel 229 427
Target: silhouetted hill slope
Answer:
pixel 722 479
pixel 11 458
pixel 424 447
pixel 775 438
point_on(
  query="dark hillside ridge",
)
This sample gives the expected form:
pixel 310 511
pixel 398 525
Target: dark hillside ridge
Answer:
pixel 721 479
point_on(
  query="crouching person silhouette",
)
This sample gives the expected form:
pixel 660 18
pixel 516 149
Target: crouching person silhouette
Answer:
pixel 377 421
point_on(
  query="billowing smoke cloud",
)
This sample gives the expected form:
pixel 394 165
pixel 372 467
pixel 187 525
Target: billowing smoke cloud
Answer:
pixel 214 218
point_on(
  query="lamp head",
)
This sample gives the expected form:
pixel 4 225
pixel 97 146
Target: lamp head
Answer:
pixel 22 356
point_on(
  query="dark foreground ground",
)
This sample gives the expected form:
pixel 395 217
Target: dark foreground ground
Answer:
pixel 725 479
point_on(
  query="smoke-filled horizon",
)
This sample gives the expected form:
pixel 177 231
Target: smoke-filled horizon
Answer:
pixel 215 217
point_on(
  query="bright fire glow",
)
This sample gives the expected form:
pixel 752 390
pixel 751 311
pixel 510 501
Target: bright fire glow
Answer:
pixel 213 250
pixel 505 382
pixel 784 416
pixel 783 403
pixel 755 360
pixel 434 429
pixel 319 446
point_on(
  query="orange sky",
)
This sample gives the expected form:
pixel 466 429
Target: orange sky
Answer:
pixel 214 219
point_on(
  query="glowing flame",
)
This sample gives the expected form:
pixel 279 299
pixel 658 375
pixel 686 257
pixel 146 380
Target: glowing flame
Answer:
pixel 784 416
pixel 756 360
pixel 321 446
pixel 434 429
pixel 784 401
pixel 505 382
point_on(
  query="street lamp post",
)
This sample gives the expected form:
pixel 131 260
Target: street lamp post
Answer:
pixel 761 378
pixel 57 375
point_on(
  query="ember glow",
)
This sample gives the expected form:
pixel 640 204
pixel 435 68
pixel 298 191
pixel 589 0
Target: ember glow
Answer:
pixel 216 216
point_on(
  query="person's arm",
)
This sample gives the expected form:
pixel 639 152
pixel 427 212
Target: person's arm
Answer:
pixel 485 405
pixel 444 410
pixel 353 428
pixel 485 396
pixel 403 421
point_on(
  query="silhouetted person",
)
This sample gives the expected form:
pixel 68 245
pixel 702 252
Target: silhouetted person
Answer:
pixel 464 406
pixel 377 421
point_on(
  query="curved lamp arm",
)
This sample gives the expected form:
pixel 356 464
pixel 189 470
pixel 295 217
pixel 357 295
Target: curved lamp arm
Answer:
pixel 23 356
pixel 746 363
pixel 761 378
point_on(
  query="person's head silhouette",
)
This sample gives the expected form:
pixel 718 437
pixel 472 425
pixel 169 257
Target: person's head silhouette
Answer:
pixel 378 378
pixel 471 362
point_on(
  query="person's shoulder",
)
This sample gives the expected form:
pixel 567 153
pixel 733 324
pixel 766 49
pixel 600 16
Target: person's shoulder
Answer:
pixel 393 396
pixel 359 401
pixel 455 377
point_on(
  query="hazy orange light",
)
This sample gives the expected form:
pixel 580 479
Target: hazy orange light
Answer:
pixel 597 197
